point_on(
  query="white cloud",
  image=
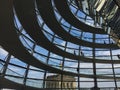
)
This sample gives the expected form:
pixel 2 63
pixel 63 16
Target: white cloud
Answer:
pixel 63 43
pixel 114 52
pixel 3 52
pixel 103 53
pixel 36 74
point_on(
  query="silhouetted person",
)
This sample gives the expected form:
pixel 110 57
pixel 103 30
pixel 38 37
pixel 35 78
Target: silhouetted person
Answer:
pixel 82 54
pixel 77 69
pixel 118 56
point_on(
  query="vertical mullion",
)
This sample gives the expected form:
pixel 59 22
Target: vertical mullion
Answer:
pixel 47 62
pixel 94 65
pixel 113 66
pixel 6 64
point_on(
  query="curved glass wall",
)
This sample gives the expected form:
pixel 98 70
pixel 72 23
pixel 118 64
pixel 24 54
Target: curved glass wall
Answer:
pixel 68 59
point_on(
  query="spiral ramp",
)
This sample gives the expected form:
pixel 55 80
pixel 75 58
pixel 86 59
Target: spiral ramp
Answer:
pixel 51 38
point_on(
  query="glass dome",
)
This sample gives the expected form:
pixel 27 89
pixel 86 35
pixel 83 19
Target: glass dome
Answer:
pixel 59 45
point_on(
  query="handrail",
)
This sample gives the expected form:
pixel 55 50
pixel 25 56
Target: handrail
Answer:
pixel 45 9
pixel 11 42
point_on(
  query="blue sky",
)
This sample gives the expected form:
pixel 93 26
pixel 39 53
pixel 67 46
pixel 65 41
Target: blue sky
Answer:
pixel 35 74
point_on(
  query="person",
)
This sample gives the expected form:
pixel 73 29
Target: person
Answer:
pixel 77 69
pixel 118 56
pixel 82 54
pixel 77 3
